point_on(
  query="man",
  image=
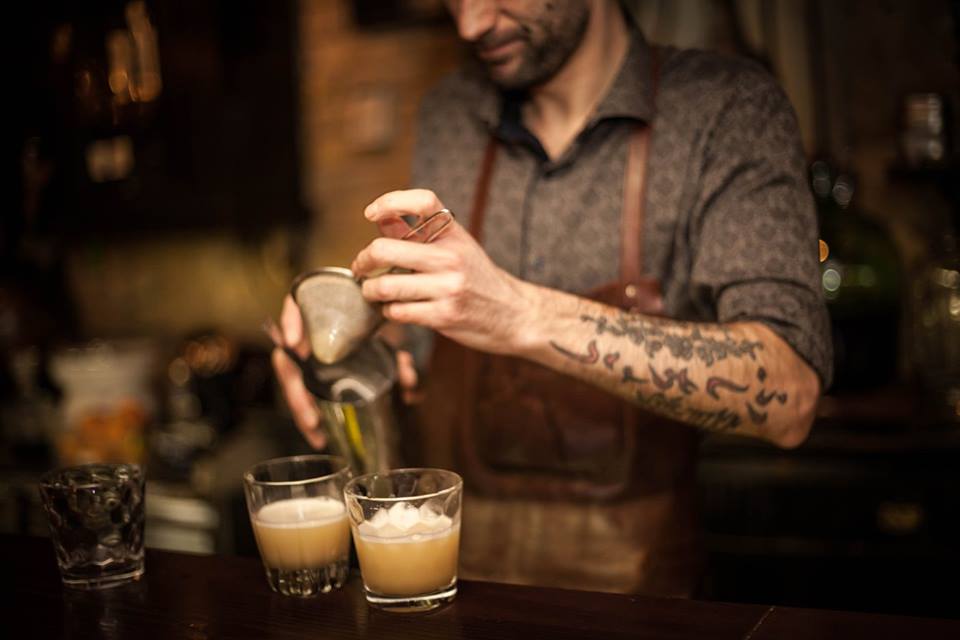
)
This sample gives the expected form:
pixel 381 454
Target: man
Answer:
pixel 640 267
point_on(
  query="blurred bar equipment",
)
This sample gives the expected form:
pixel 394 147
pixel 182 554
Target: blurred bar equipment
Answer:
pixel 923 139
pixel 107 401
pixel 925 154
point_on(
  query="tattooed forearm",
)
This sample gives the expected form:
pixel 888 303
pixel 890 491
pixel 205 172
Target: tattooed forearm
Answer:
pixel 676 358
pixel 590 357
pixel 669 377
pixel 715 382
pixel 682 340
pixel 678 409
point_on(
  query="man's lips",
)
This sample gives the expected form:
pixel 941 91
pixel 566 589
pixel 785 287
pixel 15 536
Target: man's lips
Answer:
pixel 500 50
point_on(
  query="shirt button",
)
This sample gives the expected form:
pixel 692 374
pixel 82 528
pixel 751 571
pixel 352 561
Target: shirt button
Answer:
pixel 630 291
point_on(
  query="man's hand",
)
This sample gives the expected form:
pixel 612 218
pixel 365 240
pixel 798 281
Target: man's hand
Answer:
pixel 303 407
pixel 455 288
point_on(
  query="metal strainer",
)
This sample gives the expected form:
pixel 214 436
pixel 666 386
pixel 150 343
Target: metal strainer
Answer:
pixel 335 314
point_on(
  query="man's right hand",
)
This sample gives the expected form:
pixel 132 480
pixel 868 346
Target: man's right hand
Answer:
pixel 303 407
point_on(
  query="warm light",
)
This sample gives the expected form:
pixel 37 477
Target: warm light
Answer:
pixel 824 250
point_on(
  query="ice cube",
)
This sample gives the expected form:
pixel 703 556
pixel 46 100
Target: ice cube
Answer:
pixel 380 519
pixel 430 511
pixel 404 516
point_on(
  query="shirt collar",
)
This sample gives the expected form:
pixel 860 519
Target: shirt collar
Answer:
pixel 630 96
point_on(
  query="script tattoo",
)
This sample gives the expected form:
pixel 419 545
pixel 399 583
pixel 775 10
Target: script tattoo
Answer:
pixel 610 359
pixel 722 420
pixel 758 417
pixel 628 376
pixel 676 408
pixel 763 396
pixel 683 340
pixel 670 377
pixel 592 356
pixel 714 383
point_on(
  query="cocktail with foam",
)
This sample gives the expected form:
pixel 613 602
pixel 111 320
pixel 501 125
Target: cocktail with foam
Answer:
pixel 406 528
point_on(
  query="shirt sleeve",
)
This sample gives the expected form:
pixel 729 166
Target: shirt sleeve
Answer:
pixel 754 226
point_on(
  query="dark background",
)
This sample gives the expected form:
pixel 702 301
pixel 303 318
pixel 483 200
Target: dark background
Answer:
pixel 277 120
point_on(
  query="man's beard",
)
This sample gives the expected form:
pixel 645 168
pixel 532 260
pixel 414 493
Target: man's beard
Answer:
pixel 540 60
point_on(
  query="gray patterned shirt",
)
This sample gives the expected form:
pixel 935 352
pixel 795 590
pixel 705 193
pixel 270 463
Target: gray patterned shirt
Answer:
pixel 729 230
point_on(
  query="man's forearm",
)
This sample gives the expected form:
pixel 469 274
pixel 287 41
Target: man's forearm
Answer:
pixel 740 378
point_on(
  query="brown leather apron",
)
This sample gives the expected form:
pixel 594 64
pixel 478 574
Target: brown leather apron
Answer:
pixel 566 484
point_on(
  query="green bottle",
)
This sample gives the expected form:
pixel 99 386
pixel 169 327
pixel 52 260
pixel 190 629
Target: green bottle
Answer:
pixel 862 281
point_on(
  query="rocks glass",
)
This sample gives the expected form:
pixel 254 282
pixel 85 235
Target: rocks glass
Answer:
pixel 96 515
pixel 406 528
pixel 297 513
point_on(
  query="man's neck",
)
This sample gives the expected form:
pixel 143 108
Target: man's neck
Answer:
pixel 559 109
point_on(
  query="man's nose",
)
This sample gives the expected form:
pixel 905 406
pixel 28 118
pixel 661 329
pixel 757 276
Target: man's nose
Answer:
pixel 475 18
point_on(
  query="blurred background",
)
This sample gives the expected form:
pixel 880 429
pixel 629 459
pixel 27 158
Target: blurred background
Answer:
pixel 178 162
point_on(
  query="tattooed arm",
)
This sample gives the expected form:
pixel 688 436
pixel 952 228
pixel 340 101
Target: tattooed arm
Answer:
pixel 739 377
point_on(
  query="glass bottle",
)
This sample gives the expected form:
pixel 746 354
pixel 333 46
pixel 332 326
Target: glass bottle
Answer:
pixel 862 281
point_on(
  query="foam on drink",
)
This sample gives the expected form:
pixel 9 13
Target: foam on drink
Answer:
pixel 302 533
pixel 407 551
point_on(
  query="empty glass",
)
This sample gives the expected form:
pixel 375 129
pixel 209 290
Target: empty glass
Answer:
pixel 96 515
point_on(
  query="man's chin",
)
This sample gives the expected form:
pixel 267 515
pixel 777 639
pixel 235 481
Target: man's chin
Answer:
pixel 507 74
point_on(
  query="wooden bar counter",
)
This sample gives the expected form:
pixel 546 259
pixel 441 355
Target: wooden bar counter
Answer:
pixel 195 597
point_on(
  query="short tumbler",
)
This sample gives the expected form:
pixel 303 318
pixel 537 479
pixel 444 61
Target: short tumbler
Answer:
pixel 406 527
pixel 96 515
pixel 297 513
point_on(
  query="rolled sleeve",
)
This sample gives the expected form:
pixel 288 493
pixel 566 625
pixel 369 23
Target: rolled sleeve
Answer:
pixel 755 226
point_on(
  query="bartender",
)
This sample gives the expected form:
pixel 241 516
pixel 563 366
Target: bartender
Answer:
pixel 635 264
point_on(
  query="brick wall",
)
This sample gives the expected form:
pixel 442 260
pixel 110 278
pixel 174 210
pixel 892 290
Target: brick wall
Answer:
pixel 348 74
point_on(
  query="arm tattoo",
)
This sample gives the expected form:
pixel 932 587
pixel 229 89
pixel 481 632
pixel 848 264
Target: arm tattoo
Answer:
pixel 756 416
pixel 714 383
pixel 592 356
pixel 722 420
pixel 670 376
pixel 629 377
pixel 682 340
pixel 764 397
pixel 610 359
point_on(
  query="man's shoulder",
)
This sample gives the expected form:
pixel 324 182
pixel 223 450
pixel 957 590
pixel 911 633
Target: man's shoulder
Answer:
pixel 714 80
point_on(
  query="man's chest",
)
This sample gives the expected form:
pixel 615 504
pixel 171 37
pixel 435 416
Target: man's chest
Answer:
pixel 555 224
pixel 561 226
